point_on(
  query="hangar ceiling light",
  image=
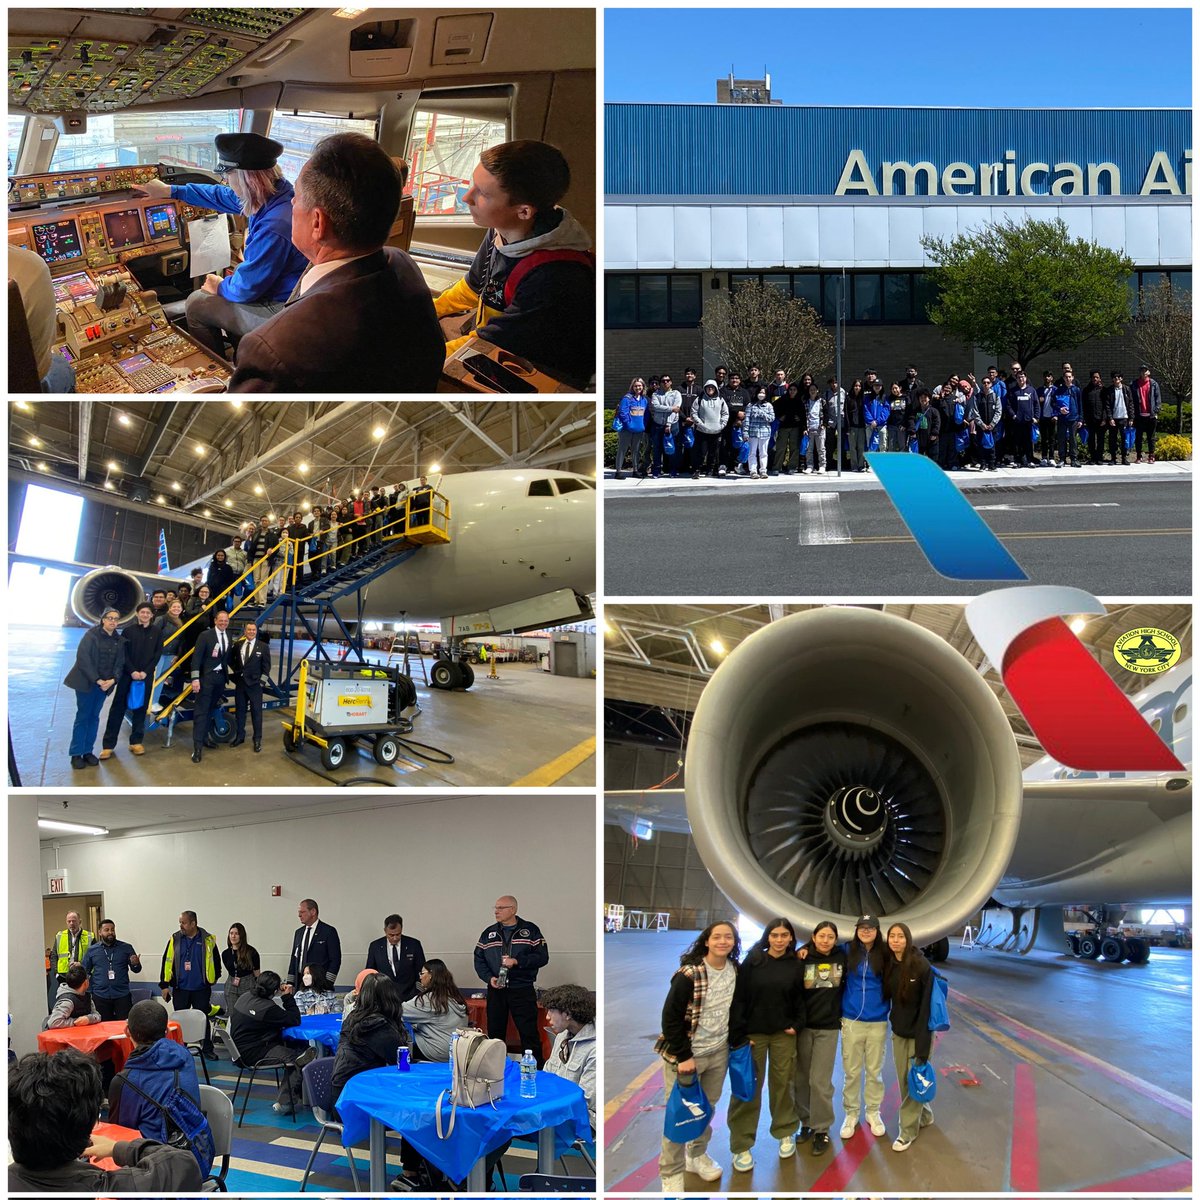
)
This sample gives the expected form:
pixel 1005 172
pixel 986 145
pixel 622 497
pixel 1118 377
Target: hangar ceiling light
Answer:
pixel 124 419
pixel 228 503
pixel 176 486
pixel 35 442
pixel 378 432
pixel 302 468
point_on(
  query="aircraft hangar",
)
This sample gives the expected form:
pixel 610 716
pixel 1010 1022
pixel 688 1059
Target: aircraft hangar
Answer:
pixel 424 590
pixel 1066 1066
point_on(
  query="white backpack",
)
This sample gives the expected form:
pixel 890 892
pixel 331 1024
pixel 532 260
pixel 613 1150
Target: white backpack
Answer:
pixel 476 1075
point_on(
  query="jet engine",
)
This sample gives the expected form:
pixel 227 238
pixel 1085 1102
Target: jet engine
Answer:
pixel 107 587
pixel 842 762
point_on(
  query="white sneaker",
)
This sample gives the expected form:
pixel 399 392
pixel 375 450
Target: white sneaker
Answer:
pixel 674 1185
pixel 743 1161
pixel 900 1145
pixel 849 1125
pixel 787 1146
pixel 875 1121
pixel 705 1167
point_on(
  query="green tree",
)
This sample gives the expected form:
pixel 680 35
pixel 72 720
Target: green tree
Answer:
pixel 757 323
pixel 1027 288
pixel 1162 332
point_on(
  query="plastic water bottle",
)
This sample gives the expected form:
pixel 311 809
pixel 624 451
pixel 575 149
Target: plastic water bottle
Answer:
pixel 528 1076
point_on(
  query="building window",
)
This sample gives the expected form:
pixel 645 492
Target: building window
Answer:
pixel 871 297
pixel 651 300
pixel 1145 281
pixel 300 132
pixel 442 155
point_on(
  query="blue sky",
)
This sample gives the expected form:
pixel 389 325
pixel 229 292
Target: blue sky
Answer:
pixel 1111 58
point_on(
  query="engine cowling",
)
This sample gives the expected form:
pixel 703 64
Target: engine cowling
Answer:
pixel 107 587
pixel 842 761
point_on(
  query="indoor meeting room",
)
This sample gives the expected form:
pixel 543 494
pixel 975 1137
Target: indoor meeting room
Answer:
pixel 296 993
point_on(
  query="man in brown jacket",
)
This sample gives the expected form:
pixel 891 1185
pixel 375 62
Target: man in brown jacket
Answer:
pixel 361 318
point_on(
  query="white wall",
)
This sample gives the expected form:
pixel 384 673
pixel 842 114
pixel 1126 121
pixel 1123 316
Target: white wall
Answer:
pixel 871 233
pixel 440 863
pixel 26 971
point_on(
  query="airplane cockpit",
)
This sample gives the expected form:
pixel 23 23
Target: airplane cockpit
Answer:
pixel 118 189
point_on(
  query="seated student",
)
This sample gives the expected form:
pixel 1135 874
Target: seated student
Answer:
pixel 317 994
pixel 53 1104
pixel 532 287
pixel 270 264
pixel 72 1004
pixel 571 1011
pixel 257 1025
pixel 437 1010
pixel 351 998
pixel 158 1067
pixel 372 1033
pixel 362 318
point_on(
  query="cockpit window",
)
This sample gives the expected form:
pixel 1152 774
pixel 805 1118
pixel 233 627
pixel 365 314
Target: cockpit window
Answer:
pixel 540 487
pixel 569 485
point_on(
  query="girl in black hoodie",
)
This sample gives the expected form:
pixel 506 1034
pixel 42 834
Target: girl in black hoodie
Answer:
pixel 768 1009
pixel 824 966
pixel 908 983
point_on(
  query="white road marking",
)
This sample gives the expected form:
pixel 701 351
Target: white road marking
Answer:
pixel 1014 507
pixel 821 520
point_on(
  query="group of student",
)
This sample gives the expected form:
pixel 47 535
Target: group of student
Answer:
pixel 791 1003
pixel 56 1099
pixel 735 426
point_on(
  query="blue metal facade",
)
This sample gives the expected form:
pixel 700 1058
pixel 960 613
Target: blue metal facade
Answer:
pixel 734 149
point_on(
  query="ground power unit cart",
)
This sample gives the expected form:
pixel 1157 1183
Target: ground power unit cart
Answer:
pixel 340 703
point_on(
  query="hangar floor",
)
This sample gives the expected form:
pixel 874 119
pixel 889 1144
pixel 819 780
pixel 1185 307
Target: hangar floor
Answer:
pixel 526 727
pixel 1056 1075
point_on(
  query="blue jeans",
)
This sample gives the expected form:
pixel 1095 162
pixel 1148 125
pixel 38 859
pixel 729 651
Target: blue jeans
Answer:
pixel 87 719
pixel 657 434
pixel 60 377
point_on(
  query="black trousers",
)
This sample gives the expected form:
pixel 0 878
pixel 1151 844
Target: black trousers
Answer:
pixel 114 1009
pixel 248 694
pixel 521 1004
pixel 199 999
pixel 208 699
pixel 118 709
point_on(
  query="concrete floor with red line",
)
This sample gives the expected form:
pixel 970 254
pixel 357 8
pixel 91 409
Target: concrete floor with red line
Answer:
pixel 1057 1074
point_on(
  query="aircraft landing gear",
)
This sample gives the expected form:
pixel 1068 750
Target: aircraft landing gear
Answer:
pixel 1113 947
pixel 452 672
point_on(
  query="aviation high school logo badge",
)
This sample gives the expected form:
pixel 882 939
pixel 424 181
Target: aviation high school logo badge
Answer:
pixel 1146 651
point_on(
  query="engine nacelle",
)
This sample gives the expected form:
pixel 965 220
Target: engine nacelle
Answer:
pixel 841 762
pixel 107 587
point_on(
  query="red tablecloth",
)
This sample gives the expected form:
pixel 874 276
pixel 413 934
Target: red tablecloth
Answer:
pixel 477 1015
pixel 118 1133
pixel 105 1039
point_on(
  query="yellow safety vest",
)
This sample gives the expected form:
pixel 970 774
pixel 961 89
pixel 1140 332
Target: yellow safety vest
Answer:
pixel 62 949
pixel 210 965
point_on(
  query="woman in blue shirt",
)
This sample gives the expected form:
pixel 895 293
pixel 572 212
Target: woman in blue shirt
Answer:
pixel 271 265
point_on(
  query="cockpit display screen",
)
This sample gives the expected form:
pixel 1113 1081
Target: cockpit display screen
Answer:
pixel 58 241
pixel 161 221
pixel 123 228
pixel 78 287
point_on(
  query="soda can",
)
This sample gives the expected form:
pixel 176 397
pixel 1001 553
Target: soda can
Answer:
pixel 402 1059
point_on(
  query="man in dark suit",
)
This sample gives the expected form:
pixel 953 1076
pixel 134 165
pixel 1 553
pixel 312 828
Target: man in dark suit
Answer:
pixel 398 957
pixel 361 318
pixel 314 944
pixel 249 665
pixel 210 667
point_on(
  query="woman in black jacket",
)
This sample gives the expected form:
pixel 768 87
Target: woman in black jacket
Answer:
pixel 908 983
pixel 259 1019
pixel 99 660
pixel 220 576
pixel 768 1008
pixel 372 1033
pixel 816 1047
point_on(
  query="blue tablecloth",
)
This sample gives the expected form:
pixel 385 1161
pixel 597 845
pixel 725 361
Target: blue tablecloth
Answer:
pixel 323 1028
pixel 406 1101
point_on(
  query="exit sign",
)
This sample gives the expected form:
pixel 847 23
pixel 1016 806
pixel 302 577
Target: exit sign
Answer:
pixel 58 881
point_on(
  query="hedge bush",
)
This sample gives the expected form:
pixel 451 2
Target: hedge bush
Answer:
pixel 1170 447
pixel 1168 418
pixel 610 439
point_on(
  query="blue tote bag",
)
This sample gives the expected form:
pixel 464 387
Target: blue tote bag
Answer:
pixel 688 1112
pixel 741 1072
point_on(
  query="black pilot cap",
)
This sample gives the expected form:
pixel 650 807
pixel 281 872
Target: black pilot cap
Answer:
pixel 247 152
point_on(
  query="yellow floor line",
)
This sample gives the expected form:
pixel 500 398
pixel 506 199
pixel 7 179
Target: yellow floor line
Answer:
pixel 1011 1044
pixel 556 768
pixel 644 1078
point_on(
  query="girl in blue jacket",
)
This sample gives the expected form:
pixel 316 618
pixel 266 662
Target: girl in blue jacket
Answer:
pixel 864 1027
pixel 630 425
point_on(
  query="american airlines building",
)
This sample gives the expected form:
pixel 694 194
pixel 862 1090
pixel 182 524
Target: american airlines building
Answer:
pixel 702 196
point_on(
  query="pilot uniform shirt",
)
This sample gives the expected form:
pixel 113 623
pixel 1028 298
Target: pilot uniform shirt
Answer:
pixel 270 265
